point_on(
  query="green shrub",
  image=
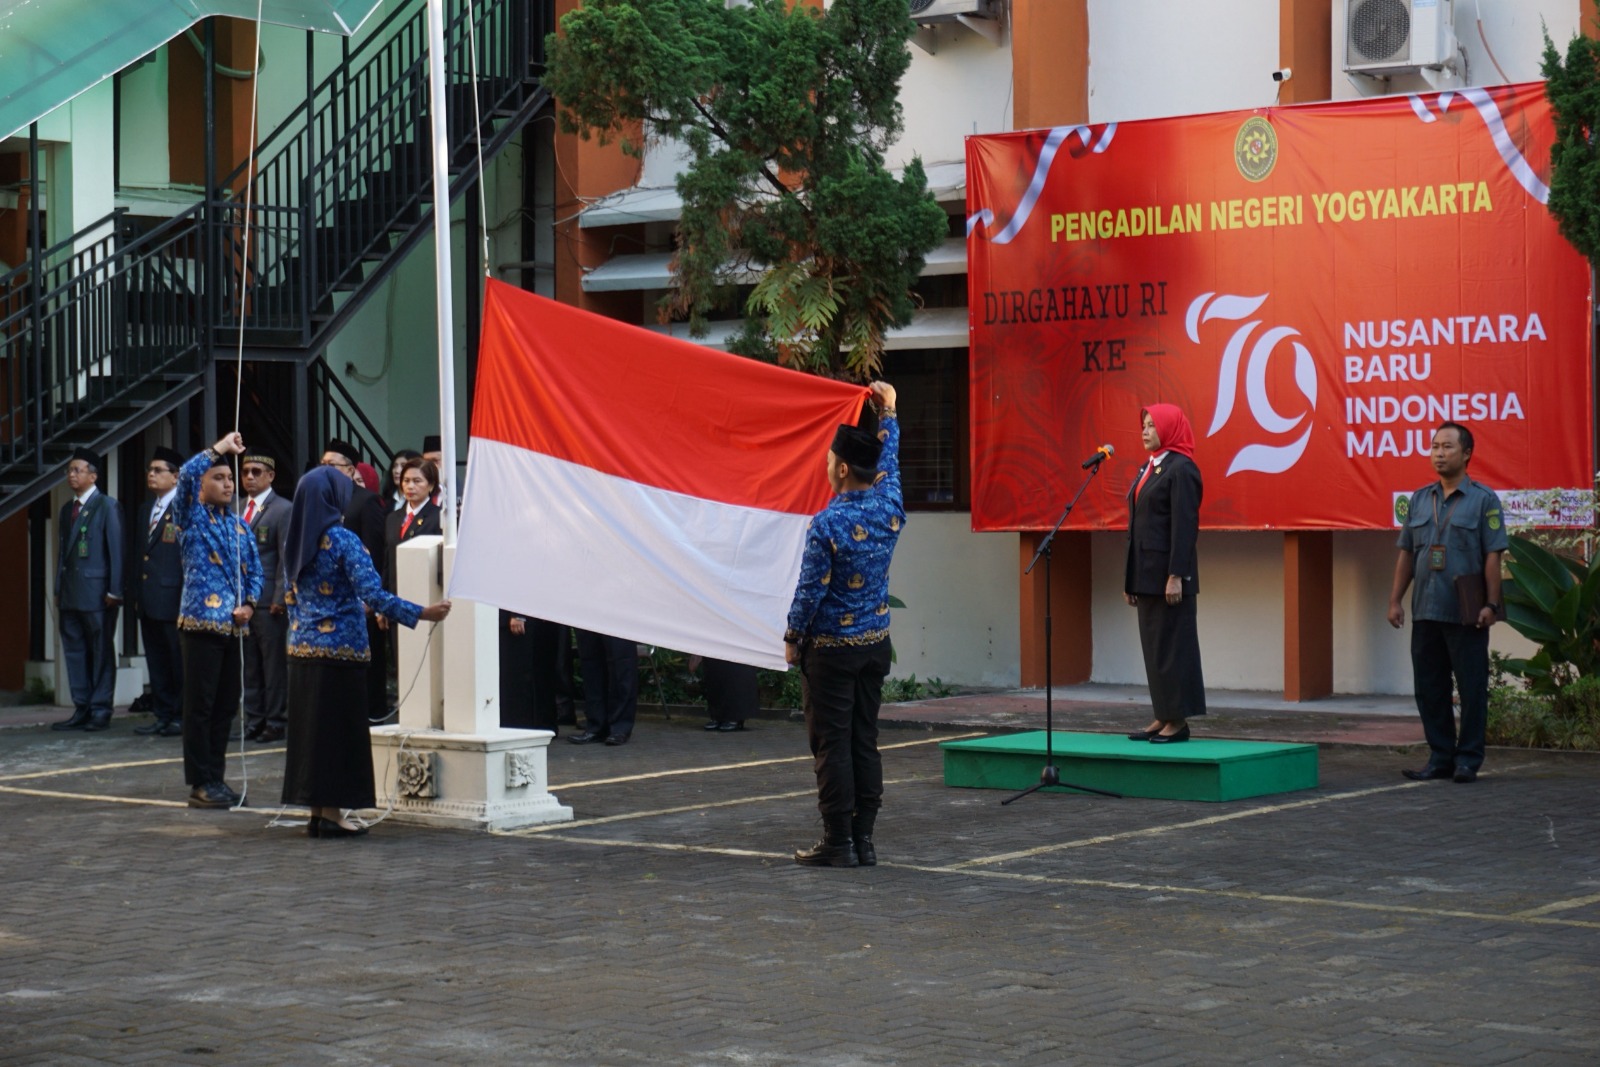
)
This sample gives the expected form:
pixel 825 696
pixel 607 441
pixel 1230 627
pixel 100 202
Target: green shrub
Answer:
pixel 1568 719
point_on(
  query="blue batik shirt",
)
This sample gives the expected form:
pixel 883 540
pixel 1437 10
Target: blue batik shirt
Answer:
pixel 842 597
pixel 221 569
pixel 326 618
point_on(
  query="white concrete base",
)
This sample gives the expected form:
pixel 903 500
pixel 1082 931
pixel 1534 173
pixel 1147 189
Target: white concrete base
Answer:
pixel 490 781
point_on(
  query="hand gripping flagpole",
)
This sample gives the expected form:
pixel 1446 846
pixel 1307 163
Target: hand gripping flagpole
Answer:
pixel 441 258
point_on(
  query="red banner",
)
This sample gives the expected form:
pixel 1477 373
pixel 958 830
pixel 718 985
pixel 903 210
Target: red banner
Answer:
pixel 1316 286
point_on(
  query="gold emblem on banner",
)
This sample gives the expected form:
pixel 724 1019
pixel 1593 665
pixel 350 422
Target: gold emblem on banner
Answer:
pixel 1255 149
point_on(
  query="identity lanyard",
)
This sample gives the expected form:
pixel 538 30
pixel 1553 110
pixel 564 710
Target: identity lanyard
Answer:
pixel 1436 551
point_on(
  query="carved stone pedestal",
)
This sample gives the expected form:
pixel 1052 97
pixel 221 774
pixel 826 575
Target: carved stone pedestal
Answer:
pixel 490 781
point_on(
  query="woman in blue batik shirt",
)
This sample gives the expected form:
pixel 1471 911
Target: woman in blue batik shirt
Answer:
pixel 328 767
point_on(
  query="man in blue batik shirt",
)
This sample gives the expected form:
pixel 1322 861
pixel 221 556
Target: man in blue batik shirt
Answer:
pixel 838 632
pixel 221 584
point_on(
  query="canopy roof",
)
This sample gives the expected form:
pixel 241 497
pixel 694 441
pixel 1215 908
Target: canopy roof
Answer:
pixel 53 50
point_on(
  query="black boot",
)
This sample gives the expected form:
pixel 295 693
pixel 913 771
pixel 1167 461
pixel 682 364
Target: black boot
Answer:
pixel 861 830
pixel 836 849
pixel 79 720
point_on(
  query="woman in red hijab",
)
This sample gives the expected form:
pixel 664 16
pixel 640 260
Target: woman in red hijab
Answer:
pixel 1162 573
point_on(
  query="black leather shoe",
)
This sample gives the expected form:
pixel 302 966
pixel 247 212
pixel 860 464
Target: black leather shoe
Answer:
pixel 729 727
pixel 1465 775
pixel 210 796
pixel 270 734
pixel 618 739
pixel 171 728
pixel 1159 738
pixel 588 737
pixel 150 729
pixel 253 731
pixel 329 828
pixel 79 720
pixel 826 853
pixel 1427 773
pixel 98 720
pixel 712 726
pixel 866 853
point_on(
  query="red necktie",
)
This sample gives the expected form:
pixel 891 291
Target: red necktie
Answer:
pixel 406 524
pixel 77 506
pixel 1148 467
pixel 249 511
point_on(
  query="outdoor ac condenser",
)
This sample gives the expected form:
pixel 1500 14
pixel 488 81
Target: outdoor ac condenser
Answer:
pixel 1398 36
pixel 928 11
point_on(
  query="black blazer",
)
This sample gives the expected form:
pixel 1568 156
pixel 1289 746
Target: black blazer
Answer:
pixel 160 565
pixel 364 518
pixel 427 522
pixel 1163 526
pixel 90 554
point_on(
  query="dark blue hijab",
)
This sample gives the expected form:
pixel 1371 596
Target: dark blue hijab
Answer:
pixel 319 503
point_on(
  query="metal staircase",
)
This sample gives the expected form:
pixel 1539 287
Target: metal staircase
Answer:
pixel 113 328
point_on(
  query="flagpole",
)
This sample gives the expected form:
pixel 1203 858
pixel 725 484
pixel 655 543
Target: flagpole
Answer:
pixel 446 284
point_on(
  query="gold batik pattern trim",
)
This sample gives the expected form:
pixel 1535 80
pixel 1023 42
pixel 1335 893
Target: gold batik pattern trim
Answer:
pixel 870 637
pixel 206 626
pixel 344 653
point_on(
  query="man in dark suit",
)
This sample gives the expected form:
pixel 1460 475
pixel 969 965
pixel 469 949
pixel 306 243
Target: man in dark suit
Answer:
pixel 89 592
pixel 266 664
pixel 157 592
pixel 364 518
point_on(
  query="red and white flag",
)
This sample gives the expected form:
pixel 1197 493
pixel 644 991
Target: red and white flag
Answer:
pixel 638 485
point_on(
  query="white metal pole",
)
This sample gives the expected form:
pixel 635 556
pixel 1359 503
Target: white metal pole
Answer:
pixel 441 257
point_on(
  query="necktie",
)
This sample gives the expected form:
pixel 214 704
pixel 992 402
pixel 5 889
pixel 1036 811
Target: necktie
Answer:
pixel 406 523
pixel 155 517
pixel 249 511
pixel 77 506
pixel 1148 467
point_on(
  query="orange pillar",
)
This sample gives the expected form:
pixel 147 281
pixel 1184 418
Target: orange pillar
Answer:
pixel 1305 43
pixel 186 93
pixel 1588 20
pixel 1050 87
pixel 1307 615
pixel 1305 46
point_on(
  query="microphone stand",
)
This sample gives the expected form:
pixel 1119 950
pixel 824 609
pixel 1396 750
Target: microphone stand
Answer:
pixel 1051 775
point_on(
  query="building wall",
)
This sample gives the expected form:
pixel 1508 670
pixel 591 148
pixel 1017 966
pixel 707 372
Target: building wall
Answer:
pixel 960 621
pixel 963 88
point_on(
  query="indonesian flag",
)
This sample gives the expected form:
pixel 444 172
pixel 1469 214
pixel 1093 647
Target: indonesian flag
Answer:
pixel 633 484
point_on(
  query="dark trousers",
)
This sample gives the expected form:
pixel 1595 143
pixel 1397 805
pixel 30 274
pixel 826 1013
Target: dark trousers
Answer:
pixel 163 658
pixel 211 688
pixel 731 692
pixel 91 661
pixel 266 670
pixel 842 692
pixel 377 672
pixel 610 682
pixel 1438 651
pixel 528 674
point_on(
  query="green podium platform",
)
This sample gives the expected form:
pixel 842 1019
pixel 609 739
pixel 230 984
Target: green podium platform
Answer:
pixel 1192 770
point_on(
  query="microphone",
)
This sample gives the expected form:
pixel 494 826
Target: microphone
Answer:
pixel 1101 454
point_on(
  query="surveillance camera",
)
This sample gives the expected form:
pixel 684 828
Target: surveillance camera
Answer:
pixel 1282 75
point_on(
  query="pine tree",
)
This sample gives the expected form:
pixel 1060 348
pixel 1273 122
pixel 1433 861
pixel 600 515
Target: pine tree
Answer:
pixel 787 113
pixel 1573 89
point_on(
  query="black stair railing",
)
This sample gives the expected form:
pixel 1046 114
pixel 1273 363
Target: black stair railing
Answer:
pixel 103 314
pixel 337 415
pixel 353 169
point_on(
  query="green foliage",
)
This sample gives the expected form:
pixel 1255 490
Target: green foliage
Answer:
pixel 1573 89
pixel 1567 719
pixel 37 691
pixel 787 113
pixel 1554 601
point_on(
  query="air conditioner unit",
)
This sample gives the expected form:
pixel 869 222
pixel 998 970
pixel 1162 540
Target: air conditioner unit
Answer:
pixel 930 11
pixel 1398 36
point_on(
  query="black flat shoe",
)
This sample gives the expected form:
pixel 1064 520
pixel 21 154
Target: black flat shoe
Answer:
pixel 1428 774
pixel 79 720
pixel 588 737
pixel 712 726
pixel 311 826
pixel 729 727
pixel 170 728
pixel 330 828
pixel 1464 775
pixel 618 739
pixel 1143 735
pixel 1170 739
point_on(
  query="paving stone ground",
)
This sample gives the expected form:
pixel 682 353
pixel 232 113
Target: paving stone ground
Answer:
pixel 1369 921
